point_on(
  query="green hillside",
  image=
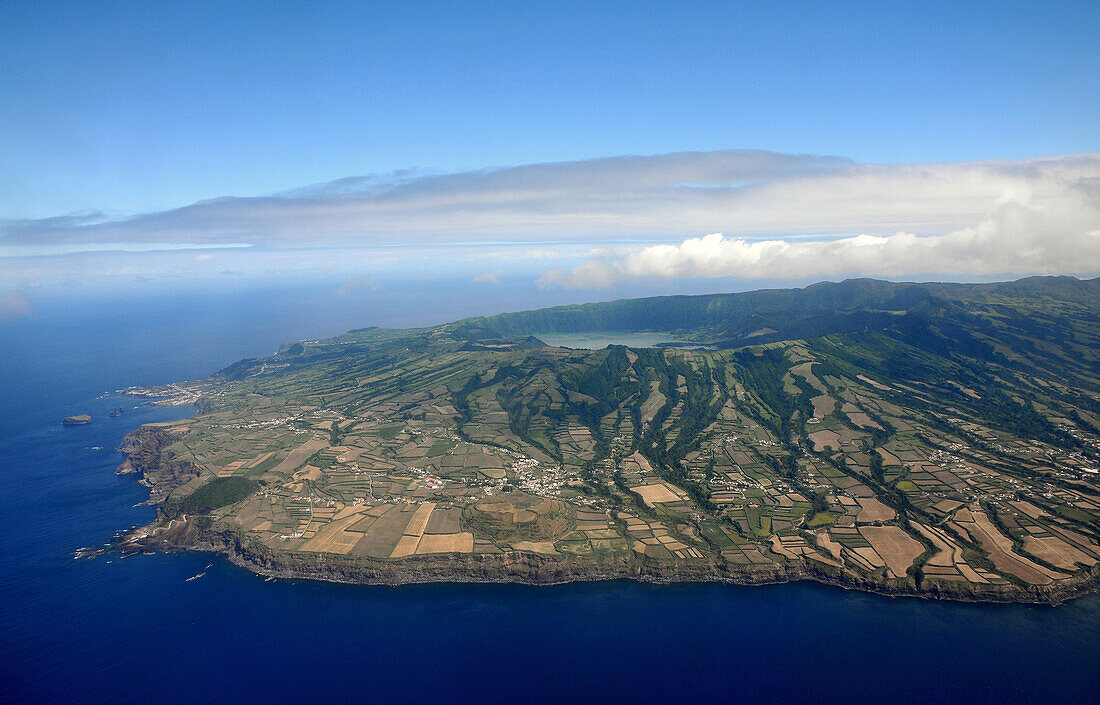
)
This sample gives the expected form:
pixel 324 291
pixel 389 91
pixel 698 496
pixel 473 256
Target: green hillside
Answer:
pixel 941 438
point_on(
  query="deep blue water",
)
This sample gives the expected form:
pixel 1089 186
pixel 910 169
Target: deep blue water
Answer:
pixel 116 631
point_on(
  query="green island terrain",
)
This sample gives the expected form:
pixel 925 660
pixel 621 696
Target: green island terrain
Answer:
pixel 940 440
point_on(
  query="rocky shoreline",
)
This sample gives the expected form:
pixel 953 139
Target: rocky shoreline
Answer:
pixel 145 458
pixel 525 568
pixel 203 533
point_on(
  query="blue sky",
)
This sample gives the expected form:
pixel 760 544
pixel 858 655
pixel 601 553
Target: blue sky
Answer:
pixel 136 107
pixel 573 146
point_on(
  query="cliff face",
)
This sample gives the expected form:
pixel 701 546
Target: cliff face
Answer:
pixel 157 468
pixel 162 472
pixel 202 533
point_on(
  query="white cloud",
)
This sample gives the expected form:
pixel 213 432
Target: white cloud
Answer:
pixel 492 277
pixel 742 192
pixel 786 216
pixel 1053 235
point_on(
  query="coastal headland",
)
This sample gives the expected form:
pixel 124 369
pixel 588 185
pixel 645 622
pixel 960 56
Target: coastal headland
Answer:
pixel 905 439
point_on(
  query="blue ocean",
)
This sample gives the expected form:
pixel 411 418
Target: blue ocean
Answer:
pixel 136 630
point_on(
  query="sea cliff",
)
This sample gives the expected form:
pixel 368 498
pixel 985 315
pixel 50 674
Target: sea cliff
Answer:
pixel 206 533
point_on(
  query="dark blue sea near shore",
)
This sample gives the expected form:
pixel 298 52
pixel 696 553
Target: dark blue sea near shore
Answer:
pixel 135 630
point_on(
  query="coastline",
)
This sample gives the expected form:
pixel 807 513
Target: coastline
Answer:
pixel 527 568
pixel 202 533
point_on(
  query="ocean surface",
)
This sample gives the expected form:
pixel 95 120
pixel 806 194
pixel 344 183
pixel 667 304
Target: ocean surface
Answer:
pixel 135 630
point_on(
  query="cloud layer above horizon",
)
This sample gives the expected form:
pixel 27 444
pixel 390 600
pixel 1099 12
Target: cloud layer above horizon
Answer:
pixel 785 216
